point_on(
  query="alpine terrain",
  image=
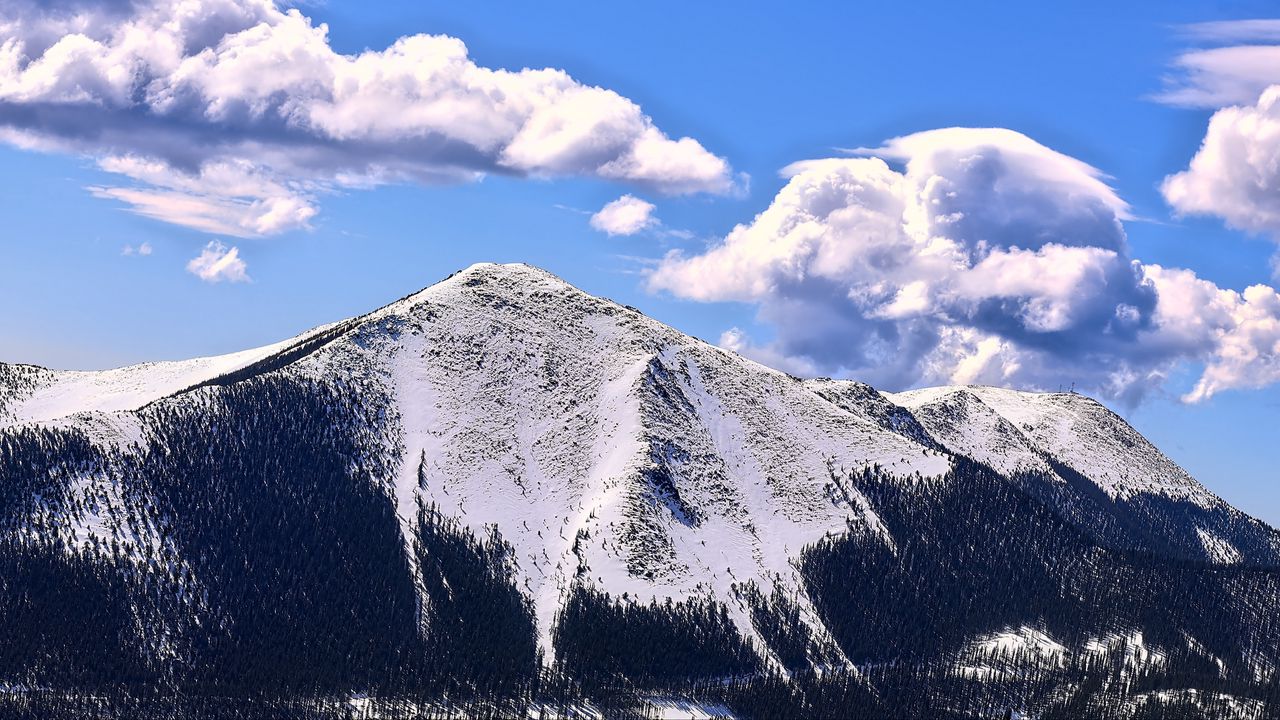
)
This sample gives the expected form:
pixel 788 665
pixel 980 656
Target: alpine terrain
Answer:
pixel 502 496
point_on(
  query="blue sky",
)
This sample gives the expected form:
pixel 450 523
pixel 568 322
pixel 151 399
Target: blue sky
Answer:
pixel 757 86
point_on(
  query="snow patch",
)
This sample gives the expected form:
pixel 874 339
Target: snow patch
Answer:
pixel 1218 548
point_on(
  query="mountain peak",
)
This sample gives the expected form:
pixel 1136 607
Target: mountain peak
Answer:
pixel 42 394
pixel 583 449
pixel 494 343
pixel 506 274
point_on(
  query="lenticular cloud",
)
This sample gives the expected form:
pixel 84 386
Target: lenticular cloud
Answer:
pixel 980 256
pixel 236 117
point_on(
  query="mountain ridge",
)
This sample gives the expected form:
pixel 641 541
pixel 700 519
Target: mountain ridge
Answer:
pixel 220 369
pixel 587 448
pixel 1019 413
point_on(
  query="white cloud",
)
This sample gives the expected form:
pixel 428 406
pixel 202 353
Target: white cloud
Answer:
pixel 218 263
pixel 142 249
pixel 1215 77
pixel 627 215
pixel 1248 353
pixel 1237 61
pixel 987 258
pixel 1236 334
pixel 235 116
pixel 1236 173
pixel 224 197
pixel 738 341
pixel 1231 31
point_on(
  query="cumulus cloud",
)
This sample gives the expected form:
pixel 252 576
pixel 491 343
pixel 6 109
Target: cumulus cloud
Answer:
pixel 142 249
pixel 219 263
pixel 627 215
pixel 1235 175
pixel 236 116
pixel 980 257
pixel 1237 334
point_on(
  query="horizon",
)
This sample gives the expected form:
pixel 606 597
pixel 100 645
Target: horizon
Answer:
pixel 834 212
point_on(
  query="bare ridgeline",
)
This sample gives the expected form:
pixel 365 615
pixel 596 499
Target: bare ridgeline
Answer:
pixel 502 496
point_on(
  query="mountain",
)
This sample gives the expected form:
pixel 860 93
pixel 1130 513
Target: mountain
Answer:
pixel 502 493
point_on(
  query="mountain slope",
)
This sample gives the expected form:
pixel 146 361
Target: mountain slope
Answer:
pixel 34 394
pixel 502 443
pixel 1086 436
pixel 528 404
pixel 1104 467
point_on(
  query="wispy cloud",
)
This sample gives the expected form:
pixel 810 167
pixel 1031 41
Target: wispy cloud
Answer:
pixel 1235 62
pixel 1234 31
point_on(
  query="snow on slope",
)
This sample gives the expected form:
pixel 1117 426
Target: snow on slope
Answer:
pixel 1060 434
pixel 1071 428
pixel 605 446
pixel 31 394
pixel 1029 640
pixel 963 423
pixel 865 401
pixel 1219 549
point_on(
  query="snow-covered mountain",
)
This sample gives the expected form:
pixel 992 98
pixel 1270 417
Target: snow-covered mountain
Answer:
pixel 577 446
pixel 1013 431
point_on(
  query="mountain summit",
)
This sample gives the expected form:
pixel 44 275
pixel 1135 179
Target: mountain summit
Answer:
pixel 501 476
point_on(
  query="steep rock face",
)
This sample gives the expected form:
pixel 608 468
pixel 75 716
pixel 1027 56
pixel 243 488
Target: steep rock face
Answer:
pixel 505 423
